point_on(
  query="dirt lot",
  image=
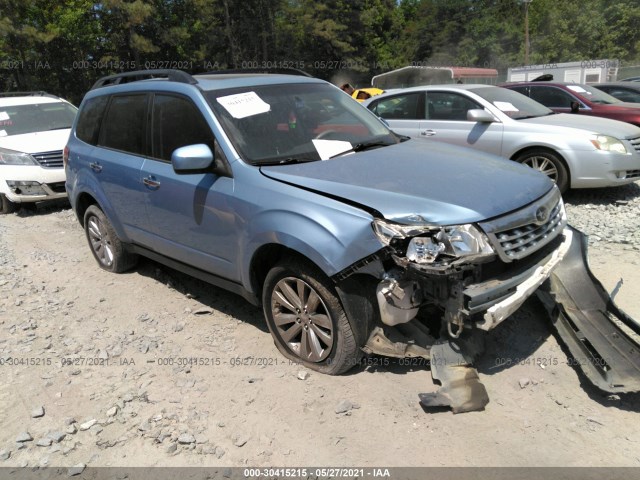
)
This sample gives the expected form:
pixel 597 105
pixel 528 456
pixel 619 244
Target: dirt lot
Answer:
pixel 152 368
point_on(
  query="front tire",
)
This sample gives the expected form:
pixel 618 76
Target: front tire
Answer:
pixel 7 206
pixel 548 163
pixel 306 319
pixel 105 245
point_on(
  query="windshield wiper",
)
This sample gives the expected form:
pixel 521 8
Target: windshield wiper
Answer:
pixel 286 161
pixel 359 147
pixel 57 128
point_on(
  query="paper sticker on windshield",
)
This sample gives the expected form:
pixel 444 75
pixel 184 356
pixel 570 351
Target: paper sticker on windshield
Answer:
pixel 328 148
pixel 242 105
pixel 3 133
pixel 506 106
pixel 4 116
pixel 577 88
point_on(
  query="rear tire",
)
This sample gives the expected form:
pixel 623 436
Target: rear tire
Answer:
pixel 549 163
pixel 306 319
pixel 110 253
pixel 7 206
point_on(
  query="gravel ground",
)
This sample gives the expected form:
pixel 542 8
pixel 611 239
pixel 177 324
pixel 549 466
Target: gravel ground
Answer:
pixel 607 215
pixel 55 303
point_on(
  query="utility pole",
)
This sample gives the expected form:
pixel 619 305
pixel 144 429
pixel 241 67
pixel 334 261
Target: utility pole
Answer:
pixel 526 31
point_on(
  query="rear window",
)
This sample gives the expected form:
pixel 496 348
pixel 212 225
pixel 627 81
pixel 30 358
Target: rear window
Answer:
pixel 89 120
pixel 123 126
pixel 21 119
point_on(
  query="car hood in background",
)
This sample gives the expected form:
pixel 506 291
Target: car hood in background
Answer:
pixel 600 125
pixel 421 181
pixel 36 142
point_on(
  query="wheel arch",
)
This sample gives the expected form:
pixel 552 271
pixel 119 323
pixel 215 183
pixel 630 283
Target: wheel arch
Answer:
pixel 545 148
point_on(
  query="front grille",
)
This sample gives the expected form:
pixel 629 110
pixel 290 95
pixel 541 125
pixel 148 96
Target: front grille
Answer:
pixel 635 143
pixel 49 159
pixel 521 241
pixel 520 233
pixel 632 174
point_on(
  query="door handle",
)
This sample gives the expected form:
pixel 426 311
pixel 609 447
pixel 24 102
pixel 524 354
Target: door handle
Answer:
pixel 428 133
pixel 151 182
pixel 96 167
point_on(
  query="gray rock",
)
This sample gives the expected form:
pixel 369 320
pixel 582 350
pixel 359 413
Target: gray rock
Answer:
pixel 219 452
pixel 171 448
pixel 303 375
pixel 112 412
pixel 24 437
pixel 56 436
pixel 71 429
pixel 5 454
pixel 240 439
pixel 77 469
pixel 69 421
pixel 344 406
pixel 37 412
pixel 44 442
pixel 186 438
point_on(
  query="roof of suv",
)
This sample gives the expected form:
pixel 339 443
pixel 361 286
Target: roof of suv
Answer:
pixel 207 81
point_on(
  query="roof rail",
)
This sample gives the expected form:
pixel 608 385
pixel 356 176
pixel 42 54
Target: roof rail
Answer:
pixel 137 75
pixel 273 70
pixel 39 93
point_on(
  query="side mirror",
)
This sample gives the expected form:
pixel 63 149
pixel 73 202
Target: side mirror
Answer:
pixel 575 107
pixel 479 115
pixel 192 158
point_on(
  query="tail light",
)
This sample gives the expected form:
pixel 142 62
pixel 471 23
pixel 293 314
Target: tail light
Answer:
pixel 65 156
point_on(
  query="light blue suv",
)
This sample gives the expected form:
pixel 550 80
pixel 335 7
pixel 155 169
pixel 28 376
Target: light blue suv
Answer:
pixel 283 189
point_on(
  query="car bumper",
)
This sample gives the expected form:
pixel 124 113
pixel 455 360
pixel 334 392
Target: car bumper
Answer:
pixel 602 169
pixel 521 287
pixel 23 184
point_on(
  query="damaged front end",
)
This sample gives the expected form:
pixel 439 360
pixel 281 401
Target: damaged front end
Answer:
pixel 438 286
pixel 476 275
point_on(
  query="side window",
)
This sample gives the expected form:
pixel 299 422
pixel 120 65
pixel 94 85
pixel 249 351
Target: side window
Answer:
pixel 449 106
pixel 552 97
pixel 177 122
pixel 90 119
pixel 403 107
pixel 123 127
pixel 523 90
pixel 624 94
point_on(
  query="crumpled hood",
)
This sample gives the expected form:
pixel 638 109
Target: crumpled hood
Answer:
pixel 443 184
pixel 601 125
pixel 37 142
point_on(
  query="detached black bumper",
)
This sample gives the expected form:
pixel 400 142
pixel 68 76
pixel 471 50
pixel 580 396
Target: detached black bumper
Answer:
pixel 602 339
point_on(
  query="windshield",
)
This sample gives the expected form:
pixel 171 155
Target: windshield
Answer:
pixel 21 119
pixel 593 94
pixel 273 124
pixel 513 104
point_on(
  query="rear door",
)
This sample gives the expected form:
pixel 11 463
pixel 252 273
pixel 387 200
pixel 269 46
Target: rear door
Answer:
pixel 118 158
pixel 403 112
pixel 189 214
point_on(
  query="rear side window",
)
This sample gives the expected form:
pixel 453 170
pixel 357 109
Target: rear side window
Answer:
pixel 403 107
pixel 123 127
pixel 90 118
pixel 552 97
pixel 177 122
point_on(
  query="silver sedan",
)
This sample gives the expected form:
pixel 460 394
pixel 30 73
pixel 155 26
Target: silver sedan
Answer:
pixel 574 151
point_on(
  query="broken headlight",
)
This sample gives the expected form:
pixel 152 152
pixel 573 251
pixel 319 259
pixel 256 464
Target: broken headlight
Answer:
pixel 429 244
